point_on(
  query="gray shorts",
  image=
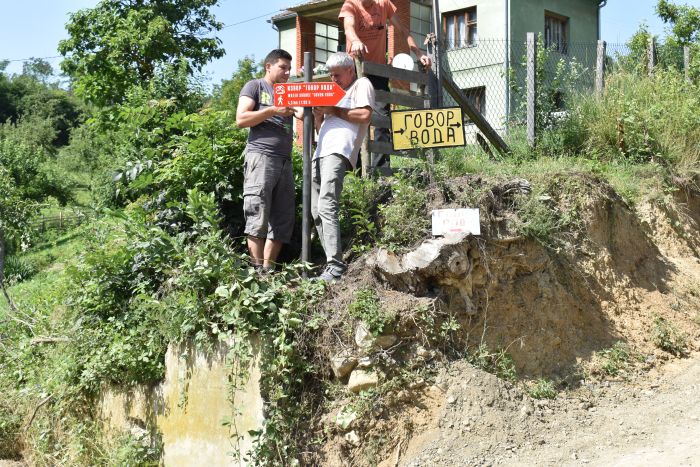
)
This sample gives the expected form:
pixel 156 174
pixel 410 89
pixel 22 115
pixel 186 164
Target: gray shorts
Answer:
pixel 268 197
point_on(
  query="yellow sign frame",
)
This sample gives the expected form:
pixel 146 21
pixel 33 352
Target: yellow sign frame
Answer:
pixel 427 128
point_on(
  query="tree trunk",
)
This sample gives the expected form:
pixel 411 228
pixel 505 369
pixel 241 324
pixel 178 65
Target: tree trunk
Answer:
pixel 2 271
pixel 2 256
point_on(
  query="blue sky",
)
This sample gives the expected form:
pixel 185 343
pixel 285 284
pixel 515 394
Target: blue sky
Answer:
pixel 32 28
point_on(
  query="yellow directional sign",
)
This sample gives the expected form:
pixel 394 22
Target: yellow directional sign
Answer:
pixel 429 128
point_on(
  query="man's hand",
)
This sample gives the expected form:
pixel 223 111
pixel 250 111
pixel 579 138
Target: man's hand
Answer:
pixel 246 117
pixel 425 60
pixel 318 118
pixel 358 48
pixel 282 111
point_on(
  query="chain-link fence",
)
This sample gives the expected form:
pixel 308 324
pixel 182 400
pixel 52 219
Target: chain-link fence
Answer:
pixel 493 74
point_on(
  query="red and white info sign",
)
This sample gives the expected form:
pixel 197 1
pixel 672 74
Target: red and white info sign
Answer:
pixel 307 94
pixel 447 221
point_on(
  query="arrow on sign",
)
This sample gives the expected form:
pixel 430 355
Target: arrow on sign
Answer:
pixel 401 131
pixel 456 125
pixel 308 94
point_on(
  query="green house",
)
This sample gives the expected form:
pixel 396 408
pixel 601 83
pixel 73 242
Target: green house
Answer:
pixel 482 41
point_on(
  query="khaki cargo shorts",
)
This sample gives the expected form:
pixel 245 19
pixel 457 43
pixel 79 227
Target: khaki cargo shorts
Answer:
pixel 268 196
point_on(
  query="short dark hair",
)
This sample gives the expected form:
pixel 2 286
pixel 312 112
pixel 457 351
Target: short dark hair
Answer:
pixel 275 55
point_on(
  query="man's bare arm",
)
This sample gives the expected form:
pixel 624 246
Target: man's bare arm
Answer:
pixel 424 59
pixel 246 117
pixel 359 115
pixel 357 47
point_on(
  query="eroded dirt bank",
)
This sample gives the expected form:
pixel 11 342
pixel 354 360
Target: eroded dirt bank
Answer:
pixel 613 276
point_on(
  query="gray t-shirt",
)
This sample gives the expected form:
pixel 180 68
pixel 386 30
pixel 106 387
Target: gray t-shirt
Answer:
pixel 273 137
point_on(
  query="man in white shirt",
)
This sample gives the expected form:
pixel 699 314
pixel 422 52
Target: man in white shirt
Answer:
pixel 341 131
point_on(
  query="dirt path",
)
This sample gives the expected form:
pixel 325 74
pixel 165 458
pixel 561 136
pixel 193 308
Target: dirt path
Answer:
pixel 654 421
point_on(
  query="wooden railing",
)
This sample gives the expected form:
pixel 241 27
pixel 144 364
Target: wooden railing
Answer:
pixel 424 81
pixel 59 222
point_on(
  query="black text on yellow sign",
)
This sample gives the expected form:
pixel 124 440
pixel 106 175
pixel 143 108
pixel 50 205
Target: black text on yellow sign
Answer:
pixel 429 128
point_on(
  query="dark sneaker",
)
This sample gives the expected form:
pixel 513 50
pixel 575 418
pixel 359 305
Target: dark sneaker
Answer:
pixel 330 274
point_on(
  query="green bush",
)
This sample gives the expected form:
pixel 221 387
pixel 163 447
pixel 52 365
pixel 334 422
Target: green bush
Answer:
pixel 667 337
pixel 500 363
pixel 405 219
pixel 135 451
pixel 615 358
pixel 366 307
pixel 18 269
pixel 543 389
pixel 639 119
pixel 10 428
pixel 358 211
pixel 26 153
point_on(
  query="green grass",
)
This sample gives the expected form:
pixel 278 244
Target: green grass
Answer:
pixel 49 258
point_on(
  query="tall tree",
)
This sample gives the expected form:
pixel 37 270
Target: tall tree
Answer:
pixel 684 21
pixel 122 43
pixel 38 68
pixel 15 211
pixel 226 95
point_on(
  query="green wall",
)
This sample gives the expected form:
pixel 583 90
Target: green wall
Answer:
pixel 528 16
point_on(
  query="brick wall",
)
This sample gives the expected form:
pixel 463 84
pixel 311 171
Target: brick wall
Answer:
pixel 397 44
pixel 306 30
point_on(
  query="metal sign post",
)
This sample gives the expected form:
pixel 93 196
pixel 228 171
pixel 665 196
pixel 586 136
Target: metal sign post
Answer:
pixel 306 193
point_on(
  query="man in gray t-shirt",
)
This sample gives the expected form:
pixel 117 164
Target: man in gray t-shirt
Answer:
pixel 268 181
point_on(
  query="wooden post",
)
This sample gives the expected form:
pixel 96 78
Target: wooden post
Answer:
pixel 365 155
pixel 434 88
pixel 474 115
pixel 306 193
pixel 600 69
pixel 686 62
pixel 651 56
pixel 531 89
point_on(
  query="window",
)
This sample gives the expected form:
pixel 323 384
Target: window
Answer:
pixel 421 19
pixel 459 28
pixel 477 97
pixel 555 34
pixel 327 40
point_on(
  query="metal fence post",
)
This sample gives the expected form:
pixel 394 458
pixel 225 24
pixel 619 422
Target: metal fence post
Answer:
pixel 686 62
pixel 531 88
pixel 437 26
pixel 651 55
pixel 306 191
pixel 600 69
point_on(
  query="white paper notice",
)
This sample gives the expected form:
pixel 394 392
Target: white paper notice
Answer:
pixel 456 221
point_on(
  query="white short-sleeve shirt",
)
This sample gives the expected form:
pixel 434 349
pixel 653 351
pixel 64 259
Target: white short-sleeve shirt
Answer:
pixel 338 136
